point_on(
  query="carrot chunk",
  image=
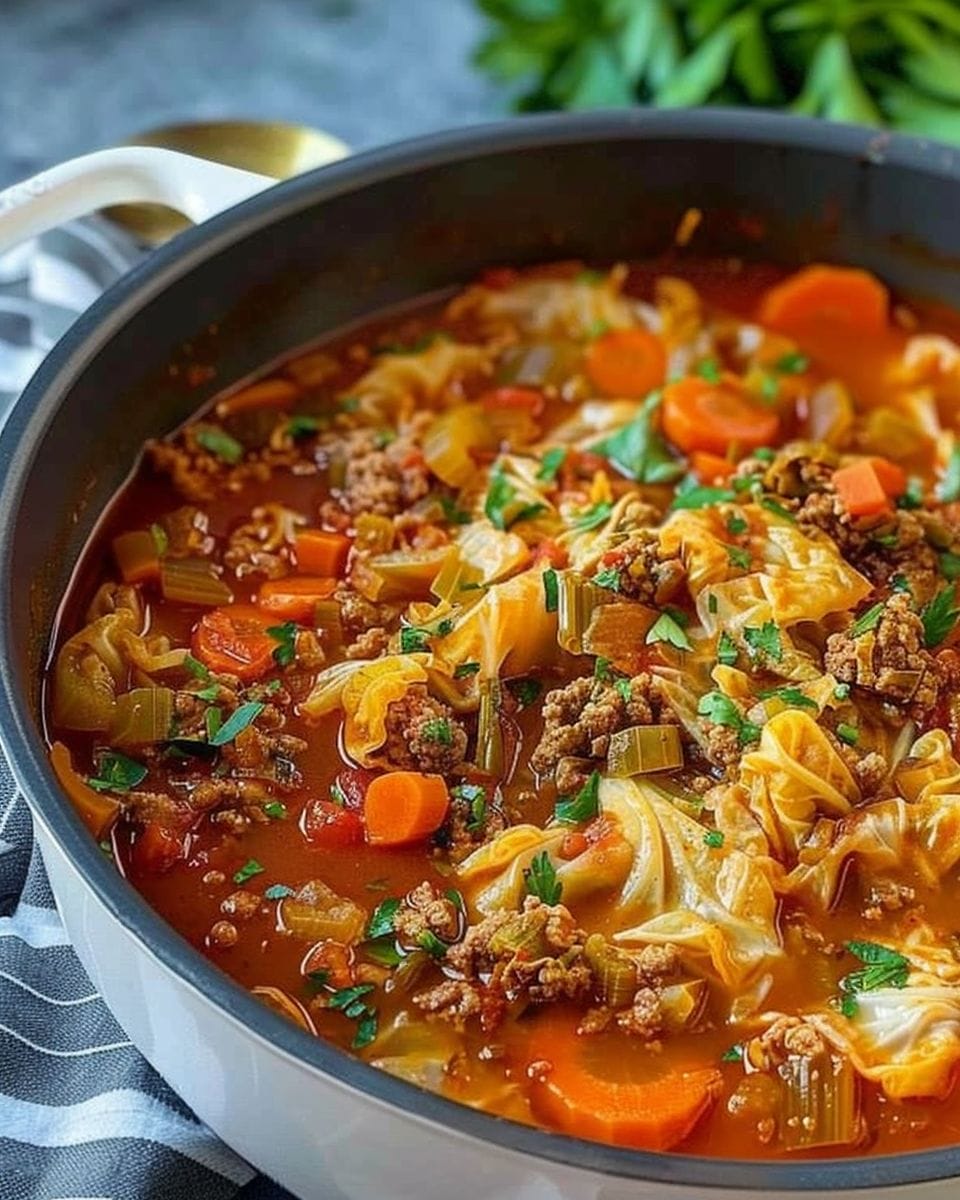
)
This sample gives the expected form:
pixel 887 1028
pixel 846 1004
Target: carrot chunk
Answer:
pixel 893 478
pixel 626 362
pixel 860 489
pixel 319 552
pixel 711 468
pixel 296 597
pixel 523 399
pixel 96 811
pixel 404 806
pixel 137 556
pixel 268 393
pixel 712 417
pixel 654 1115
pixel 843 296
pixel 233 640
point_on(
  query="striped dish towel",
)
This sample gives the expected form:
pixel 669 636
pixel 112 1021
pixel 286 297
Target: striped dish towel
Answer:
pixel 82 1115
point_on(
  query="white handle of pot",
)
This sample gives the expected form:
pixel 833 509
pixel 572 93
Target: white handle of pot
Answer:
pixel 193 186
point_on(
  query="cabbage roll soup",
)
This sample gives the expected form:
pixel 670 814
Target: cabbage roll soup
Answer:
pixel 550 697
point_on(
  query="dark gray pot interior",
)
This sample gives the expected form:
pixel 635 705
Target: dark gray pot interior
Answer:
pixel 334 246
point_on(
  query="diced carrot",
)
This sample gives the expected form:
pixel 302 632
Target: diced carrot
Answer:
pixel 844 296
pixel 699 415
pixel 711 468
pixel 296 597
pixel 893 478
pixel 137 556
pixel 319 552
pixel 156 848
pixel 268 393
pixel 404 806
pixel 529 400
pixel 573 845
pixel 654 1115
pixel 233 640
pixel 332 958
pixel 626 362
pixel 860 489
pixel 96 811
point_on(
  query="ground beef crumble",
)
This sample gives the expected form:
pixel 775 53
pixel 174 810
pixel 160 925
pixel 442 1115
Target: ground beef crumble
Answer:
pixel 378 478
pixel 642 574
pixel 425 910
pixel 423 734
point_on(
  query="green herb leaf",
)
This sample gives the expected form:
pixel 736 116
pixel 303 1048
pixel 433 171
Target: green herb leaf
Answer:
pixel 948 489
pixel 950 565
pixel 429 941
pixel 276 810
pixel 701 496
pixel 883 968
pixel 551 462
pixel 793 363
pixel 414 639
pixel 381 919
pixel 869 619
pixel 713 838
pixel 540 879
pixel 841 691
pixel 501 505
pixel 160 539
pixel 593 517
pixel 764 640
pixel 238 720
pixel 709 369
pixel 790 696
pixel 667 629
pixel 551 590
pixel 849 734
pixel 738 557
pixel 525 691
pixel 608 578
pixel 733 1053
pixel 465 670
pixel 453 513
pixel 197 668
pixel 583 807
pixel 939 616
pixel 437 730
pixel 777 509
pixel 366 1029
pixel 639 451
pixel 116 773
pixel 278 891
pixel 219 443
pixel 345 998
pixel 250 868
pixel 727 652
pixel 737 524
pixel 601 670
pixel 721 710
pixel 302 426
pixel 384 953
pixel 286 635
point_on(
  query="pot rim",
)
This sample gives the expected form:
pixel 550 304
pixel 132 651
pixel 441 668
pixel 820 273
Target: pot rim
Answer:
pixel 37 407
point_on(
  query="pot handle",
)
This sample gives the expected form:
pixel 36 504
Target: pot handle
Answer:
pixel 193 186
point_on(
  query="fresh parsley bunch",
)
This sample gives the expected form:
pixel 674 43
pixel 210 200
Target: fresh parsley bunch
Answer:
pixel 878 62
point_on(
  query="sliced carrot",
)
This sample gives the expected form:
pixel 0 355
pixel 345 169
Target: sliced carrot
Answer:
pixel 655 1115
pixel 404 806
pixel 268 393
pixel 699 415
pixel 96 811
pixel 233 640
pixel 626 362
pixel 529 400
pixel 296 597
pixel 711 468
pixel 860 489
pixel 843 296
pixel 893 478
pixel 319 552
pixel 137 556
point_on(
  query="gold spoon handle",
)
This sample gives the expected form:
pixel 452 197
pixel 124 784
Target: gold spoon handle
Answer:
pixel 128 174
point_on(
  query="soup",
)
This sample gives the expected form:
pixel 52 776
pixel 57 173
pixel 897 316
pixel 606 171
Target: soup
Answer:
pixel 550 696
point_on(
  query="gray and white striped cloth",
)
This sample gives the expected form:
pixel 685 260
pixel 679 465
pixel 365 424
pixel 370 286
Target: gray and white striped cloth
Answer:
pixel 82 1115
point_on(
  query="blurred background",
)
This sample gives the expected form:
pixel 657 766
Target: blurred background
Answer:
pixel 80 74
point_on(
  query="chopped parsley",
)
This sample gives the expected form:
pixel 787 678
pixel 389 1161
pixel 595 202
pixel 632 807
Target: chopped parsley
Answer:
pixel 712 604
pixel 476 797
pixel 465 670
pixel 238 720
pixel 301 426
pixel 601 670
pixel 525 691
pixel 790 696
pixel 666 628
pixel 738 557
pixel 278 891
pixel 437 730
pixel 286 636
pixel 849 734
pixel 948 489
pixel 736 524
pixel 250 868
pixel 869 619
pixel 776 508
pixel 701 496
pixel 769 391
pixel 950 565
pixel 337 795
pixel 551 462
pixel 764 639
pixel 765 454
pixel 540 879
pixel 117 773
pixel 452 512
pixel 433 945
pixel 384 953
pixel 276 810
pixel 352 1003
pixel 381 919
pixel 416 638
pixel 583 807
pixel 793 363
pixel 212 720
pixel 713 838
pixel 551 590
pixel 160 539
pixel 500 504
pixel 709 369
pixel 900 583
pixel 882 967
pixel 608 578
pixel 639 451
pixel 593 517
pixel 220 444
pixel 939 616
pixel 197 668
pixel 841 691
pixel 913 496
pixel 733 1053
pixel 625 689
pixel 721 710
pixel 727 652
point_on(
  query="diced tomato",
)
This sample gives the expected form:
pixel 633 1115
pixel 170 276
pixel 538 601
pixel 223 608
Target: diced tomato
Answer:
pixel 331 961
pixel 521 399
pixel 353 783
pixel 551 552
pixel 156 848
pixel 573 845
pixel 330 826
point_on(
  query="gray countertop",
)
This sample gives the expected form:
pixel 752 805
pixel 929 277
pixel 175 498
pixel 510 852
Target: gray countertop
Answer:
pixel 76 75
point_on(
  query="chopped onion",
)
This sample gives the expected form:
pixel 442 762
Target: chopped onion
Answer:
pixel 644 748
pixel 193 581
pixel 142 716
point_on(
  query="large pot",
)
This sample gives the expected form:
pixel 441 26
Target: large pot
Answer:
pixel 318 252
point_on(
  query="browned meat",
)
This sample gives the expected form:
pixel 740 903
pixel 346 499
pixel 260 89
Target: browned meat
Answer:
pixel 724 747
pixel 579 718
pixel 261 545
pixel 378 478
pixel 240 905
pixel 643 1019
pixel 188 532
pixel 423 734
pixel 889 660
pixel 642 574
pixel 473 818
pixel 426 910
pixel 454 1000
pixel 358 615
pixel 369 644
